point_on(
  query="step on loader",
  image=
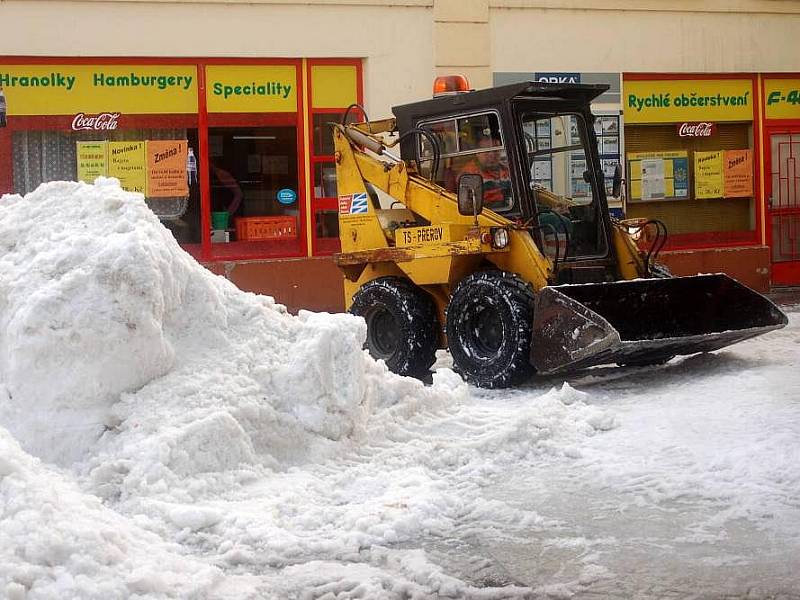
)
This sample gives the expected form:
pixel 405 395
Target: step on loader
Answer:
pixel 490 234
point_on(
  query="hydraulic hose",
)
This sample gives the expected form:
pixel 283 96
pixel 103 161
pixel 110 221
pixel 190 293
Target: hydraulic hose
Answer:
pixel 434 145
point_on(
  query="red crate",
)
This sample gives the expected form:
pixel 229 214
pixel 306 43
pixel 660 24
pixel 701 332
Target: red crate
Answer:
pixel 265 228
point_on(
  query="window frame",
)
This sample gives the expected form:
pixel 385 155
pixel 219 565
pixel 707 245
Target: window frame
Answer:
pixel 585 132
pixel 514 203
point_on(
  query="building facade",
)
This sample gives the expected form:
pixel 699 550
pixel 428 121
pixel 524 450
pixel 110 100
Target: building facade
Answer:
pixel 218 112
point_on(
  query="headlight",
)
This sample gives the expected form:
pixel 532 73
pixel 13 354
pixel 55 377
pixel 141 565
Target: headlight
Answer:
pixel 499 237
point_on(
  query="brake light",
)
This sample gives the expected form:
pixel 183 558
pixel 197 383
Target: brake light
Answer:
pixel 450 84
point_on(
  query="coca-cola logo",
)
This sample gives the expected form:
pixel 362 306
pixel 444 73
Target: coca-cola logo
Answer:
pixel 696 129
pixel 103 121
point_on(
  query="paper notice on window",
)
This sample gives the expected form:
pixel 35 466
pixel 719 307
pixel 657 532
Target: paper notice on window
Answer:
pixel 91 157
pixel 738 173
pixel 653 186
pixel 680 177
pixel 541 170
pixel 127 162
pixel 708 182
pixel 166 169
pixel 611 145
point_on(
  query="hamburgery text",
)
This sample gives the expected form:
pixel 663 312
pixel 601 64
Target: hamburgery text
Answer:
pixel 57 79
pixel 162 82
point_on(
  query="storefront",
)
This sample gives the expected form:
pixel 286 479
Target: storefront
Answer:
pixel 781 93
pixel 693 161
pixel 234 155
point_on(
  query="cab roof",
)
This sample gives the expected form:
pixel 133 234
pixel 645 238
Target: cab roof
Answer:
pixel 573 93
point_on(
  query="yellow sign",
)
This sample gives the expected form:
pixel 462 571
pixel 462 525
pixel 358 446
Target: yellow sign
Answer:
pixel 422 236
pixel 333 86
pixel 651 181
pixel 166 169
pixel 126 162
pixel 72 89
pixel 782 98
pixel 670 101
pixel 708 179
pixel 738 173
pixel 91 157
pixel 251 88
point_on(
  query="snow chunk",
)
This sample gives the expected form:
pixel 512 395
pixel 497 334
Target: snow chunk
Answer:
pixel 59 542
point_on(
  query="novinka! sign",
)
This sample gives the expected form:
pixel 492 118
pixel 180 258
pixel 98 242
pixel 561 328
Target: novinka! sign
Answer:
pixel 689 100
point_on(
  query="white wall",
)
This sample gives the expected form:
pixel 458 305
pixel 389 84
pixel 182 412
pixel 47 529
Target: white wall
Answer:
pixel 395 38
pixel 405 42
pixel 605 38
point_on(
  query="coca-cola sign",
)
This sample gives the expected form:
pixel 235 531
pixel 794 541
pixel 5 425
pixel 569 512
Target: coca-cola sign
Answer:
pixel 100 122
pixel 696 129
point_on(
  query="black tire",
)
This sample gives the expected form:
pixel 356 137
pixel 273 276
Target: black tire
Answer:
pixel 402 326
pixel 489 325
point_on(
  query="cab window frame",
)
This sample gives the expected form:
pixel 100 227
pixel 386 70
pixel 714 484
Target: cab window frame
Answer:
pixel 513 202
pixel 524 113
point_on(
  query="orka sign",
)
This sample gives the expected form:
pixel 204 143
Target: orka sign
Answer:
pixel 704 129
pixel 558 77
pixel 100 122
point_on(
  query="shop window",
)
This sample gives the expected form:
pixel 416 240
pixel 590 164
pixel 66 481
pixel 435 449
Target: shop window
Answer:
pixel 325 180
pixel 785 238
pixel 323 132
pixel 40 156
pixel 335 86
pixel 324 188
pixel 327 231
pixel 682 181
pixel 254 184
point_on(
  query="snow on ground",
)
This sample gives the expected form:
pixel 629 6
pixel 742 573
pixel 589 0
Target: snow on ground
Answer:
pixel 163 434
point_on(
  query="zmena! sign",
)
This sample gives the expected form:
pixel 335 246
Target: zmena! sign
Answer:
pixel 696 129
pixel 101 122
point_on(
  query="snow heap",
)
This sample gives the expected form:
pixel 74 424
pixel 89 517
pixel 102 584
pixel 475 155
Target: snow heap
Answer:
pixel 124 359
pixel 98 301
pixel 150 410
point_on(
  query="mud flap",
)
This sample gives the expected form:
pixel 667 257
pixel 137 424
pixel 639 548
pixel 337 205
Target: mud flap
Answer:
pixel 645 320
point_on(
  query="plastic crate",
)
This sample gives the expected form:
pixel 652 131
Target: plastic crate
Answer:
pixel 265 228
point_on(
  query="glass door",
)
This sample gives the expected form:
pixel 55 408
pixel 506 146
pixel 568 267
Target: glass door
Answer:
pixel 783 194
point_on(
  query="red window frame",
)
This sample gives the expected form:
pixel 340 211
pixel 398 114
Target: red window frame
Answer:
pixel 201 120
pixel 783 273
pixel 326 246
pixel 719 239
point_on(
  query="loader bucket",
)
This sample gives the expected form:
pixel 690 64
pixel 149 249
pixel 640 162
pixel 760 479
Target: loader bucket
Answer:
pixel 645 321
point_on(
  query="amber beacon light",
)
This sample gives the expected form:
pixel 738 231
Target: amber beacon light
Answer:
pixel 450 84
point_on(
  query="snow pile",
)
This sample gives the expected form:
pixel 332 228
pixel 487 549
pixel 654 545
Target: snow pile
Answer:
pixel 125 360
pixel 99 302
pixel 57 542
pixel 226 433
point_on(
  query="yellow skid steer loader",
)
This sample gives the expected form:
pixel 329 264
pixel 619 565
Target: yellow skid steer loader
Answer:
pixel 490 234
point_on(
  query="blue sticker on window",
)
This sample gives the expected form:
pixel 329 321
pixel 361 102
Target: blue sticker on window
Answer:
pixel 287 196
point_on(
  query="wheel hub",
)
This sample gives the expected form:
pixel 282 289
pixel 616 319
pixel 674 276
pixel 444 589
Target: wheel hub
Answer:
pixel 383 333
pixel 486 330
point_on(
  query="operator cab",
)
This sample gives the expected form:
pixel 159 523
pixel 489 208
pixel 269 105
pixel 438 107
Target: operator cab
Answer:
pixel 535 148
